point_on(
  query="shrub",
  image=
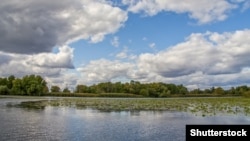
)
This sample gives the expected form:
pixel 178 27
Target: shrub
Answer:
pixel 246 94
pixel 4 90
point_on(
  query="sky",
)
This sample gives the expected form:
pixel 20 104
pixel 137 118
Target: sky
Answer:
pixel 196 43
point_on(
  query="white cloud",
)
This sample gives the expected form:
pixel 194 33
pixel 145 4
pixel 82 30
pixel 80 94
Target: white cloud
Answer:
pixel 210 53
pixel 63 59
pixel 52 66
pixel 104 70
pixel 38 26
pixel 31 29
pixel 123 54
pixel 203 60
pixel 65 79
pixel 152 45
pixel 204 11
pixel 20 65
pixel 115 41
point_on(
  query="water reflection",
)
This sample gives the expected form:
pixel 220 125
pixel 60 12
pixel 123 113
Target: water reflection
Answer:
pixel 69 123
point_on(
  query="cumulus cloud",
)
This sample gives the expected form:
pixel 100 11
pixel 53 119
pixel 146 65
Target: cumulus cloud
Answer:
pixel 104 70
pixel 63 59
pixel 245 4
pixel 209 53
pixel 204 11
pixel 203 60
pixel 20 65
pixel 65 79
pixel 51 66
pixel 115 41
pixel 30 26
pixel 123 54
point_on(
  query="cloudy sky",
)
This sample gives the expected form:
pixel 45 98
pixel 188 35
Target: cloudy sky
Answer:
pixel 197 43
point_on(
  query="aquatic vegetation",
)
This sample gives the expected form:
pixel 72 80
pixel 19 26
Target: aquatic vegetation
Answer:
pixel 30 104
pixel 197 106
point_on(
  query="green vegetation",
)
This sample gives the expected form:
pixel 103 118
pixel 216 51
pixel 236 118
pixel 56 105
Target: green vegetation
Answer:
pixel 35 85
pixel 30 85
pixel 197 106
pixel 64 94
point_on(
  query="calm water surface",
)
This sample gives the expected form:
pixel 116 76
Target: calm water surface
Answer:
pixel 71 124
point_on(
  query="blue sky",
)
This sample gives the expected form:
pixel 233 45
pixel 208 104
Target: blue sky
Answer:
pixel 197 43
pixel 163 30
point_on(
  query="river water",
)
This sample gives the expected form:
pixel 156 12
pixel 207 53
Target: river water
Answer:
pixel 71 124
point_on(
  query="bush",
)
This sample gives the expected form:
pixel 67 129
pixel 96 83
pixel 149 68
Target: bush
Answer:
pixel 246 94
pixel 4 90
pixel 118 95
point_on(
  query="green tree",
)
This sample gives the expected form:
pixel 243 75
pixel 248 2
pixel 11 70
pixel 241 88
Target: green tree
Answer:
pixel 82 89
pixel 182 90
pixel 207 91
pixel 4 90
pixel 18 88
pixel 55 89
pixel 135 87
pixel 3 81
pixel 10 81
pixel 45 90
pixel 33 85
pixel 118 87
pixel 33 88
pixel 144 92
pixel 196 91
pixel 219 91
pixel 246 94
pixel 232 91
pixel 66 90
pixel 152 92
pixel 165 94
pixel 173 88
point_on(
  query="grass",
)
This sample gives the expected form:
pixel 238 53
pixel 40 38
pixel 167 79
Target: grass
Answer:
pixel 197 106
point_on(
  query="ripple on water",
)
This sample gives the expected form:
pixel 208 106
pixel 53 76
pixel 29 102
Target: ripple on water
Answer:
pixel 65 123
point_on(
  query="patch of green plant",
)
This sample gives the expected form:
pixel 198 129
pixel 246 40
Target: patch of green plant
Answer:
pixel 31 104
pixel 197 106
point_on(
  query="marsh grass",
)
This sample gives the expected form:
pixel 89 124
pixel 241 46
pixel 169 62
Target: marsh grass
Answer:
pixel 197 106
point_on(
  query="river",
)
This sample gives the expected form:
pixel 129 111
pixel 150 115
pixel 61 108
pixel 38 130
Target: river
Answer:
pixel 72 124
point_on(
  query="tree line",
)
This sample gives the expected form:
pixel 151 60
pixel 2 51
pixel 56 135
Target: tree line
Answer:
pixel 159 89
pixel 27 85
pixel 35 85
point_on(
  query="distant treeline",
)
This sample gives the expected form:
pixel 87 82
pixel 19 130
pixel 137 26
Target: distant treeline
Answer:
pixel 28 85
pixel 35 85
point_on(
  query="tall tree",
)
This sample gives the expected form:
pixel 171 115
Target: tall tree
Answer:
pixel 10 81
pixel 66 90
pixel 219 91
pixel 82 89
pixel 18 87
pixel 4 90
pixel 55 88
